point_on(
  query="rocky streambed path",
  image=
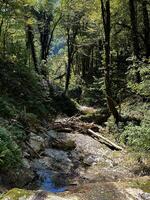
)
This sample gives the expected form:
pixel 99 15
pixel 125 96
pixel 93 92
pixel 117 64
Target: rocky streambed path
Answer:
pixel 75 165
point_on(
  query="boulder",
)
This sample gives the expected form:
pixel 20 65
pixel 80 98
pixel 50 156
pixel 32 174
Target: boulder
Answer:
pixel 61 141
pixel 42 163
pixel 59 160
pixel 36 142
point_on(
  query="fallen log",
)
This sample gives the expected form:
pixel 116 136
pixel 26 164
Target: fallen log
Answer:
pixel 105 140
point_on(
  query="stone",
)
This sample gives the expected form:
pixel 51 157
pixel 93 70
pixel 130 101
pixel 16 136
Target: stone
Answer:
pixel 21 194
pixel 137 194
pixel 36 142
pixel 92 160
pixel 58 155
pixel 61 141
pixel 26 163
pixel 42 163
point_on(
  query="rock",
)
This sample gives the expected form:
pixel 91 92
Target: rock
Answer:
pixel 36 142
pixel 59 156
pixel 42 163
pixel 63 145
pixel 26 163
pixel 54 160
pixel 137 194
pixel 92 159
pixel 20 194
pixel 61 141
pixel 59 160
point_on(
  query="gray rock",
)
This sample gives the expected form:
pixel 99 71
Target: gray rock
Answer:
pixel 42 163
pixel 137 194
pixel 59 156
pixel 26 163
pixel 93 159
pixel 36 142
pixel 61 140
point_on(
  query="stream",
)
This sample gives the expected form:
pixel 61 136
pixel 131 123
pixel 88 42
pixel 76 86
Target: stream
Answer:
pixel 47 182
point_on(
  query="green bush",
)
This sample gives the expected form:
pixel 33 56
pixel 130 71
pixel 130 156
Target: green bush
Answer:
pixel 10 153
pixel 143 67
pixel 138 137
pixel 7 108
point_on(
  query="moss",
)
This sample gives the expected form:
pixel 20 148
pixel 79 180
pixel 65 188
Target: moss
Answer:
pixel 16 194
pixel 142 184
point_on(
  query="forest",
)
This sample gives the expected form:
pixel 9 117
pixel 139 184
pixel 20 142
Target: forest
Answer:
pixel 75 99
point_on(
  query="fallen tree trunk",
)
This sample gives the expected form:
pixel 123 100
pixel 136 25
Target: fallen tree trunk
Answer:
pixel 105 140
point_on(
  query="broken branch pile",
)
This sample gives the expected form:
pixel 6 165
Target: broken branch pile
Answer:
pixel 74 124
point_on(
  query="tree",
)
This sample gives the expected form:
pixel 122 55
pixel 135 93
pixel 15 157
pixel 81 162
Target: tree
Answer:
pixel 146 28
pixel 106 15
pixel 135 35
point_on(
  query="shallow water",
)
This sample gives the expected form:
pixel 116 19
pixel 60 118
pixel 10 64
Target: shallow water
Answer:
pixel 48 183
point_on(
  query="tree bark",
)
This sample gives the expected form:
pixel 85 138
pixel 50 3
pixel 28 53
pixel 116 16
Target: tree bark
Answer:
pixel 107 29
pixel 30 44
pixel 146 28
pixel 135 36
pixel 68 67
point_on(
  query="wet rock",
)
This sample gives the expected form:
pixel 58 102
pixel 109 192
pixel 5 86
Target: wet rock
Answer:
pixel 42 163
pixel 59 160
pixel 36 142
pixel 60 156
pixel 54 160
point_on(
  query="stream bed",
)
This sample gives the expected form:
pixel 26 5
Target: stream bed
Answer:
pixel 48 181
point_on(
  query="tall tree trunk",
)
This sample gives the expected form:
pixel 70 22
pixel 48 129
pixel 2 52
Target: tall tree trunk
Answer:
pixel 146 28
pixel 135 36
pixel 30 44
pixel 68 67
pixel 106 23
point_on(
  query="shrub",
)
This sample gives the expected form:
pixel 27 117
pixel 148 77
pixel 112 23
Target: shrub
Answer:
pixel 10 153
pixel 138 137
pixel 7 108
pixel 143 67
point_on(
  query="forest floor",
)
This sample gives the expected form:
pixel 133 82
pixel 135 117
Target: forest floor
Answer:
pixel 76 165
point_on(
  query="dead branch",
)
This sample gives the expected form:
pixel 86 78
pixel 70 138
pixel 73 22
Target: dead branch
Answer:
pixel 104 140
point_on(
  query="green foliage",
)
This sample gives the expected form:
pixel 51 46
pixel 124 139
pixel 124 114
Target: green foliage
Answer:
pixel 10 153
pixel 143 67
pixel 7 108
pixel 138 137
pixel 25 90
pixel 94 94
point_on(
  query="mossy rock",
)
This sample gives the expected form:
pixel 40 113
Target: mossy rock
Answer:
pixel 16 194
pixel 21 194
